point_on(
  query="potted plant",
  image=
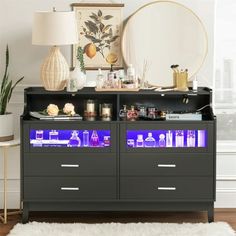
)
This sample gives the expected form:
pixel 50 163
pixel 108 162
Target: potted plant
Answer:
pixel 6 118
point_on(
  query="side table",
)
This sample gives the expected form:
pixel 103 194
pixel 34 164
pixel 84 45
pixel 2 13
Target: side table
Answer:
pixel 5 146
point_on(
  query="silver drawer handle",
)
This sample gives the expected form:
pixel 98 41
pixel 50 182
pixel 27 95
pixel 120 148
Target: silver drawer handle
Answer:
pixel 167 188
pixel 69 166
pixel 166 165
pixel 69 189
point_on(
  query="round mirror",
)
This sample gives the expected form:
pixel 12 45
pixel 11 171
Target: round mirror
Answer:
pixel 161 34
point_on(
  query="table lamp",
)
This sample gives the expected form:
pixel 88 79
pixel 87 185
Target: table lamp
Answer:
pixel 53 29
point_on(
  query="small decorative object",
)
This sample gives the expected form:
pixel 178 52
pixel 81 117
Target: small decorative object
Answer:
pixel 106 111
pixel 191 138
pixel 6 118
pixel 99 32
pixel 86 138
pixel 142 112
pixel 162 141
pixel 106 140
pixel 179 138
pixel 74 140
pixel 132 114
pixel 94 140
pixel 53 29
pixel 152 113
pixel 100 81
pixel 150 141
pixel 143 81
pixel 52 110
pixel 139 141
pixel 71 85
pixel 69 109
pixel 180 78
pixel 130 143
pixel 53 135
pixel 195 84
pixel 90 108
pixel 130 79
pixel 169 139
pixel 123 112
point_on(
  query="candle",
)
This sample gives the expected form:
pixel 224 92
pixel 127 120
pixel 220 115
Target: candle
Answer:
pixel 106 112
pixel 90 107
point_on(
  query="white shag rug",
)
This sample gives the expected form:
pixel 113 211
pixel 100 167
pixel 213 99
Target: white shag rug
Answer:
pixel 118 229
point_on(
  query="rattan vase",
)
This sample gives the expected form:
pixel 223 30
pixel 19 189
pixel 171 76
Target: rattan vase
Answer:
pixel 54 71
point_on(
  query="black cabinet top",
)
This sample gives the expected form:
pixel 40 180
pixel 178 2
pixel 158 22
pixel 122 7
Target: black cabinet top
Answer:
pixel 91 90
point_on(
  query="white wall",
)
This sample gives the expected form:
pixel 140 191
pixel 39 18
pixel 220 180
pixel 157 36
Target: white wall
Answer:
pixel 15 29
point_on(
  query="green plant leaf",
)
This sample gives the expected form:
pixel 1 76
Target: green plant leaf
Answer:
pixel 99 13
pixel 4 98
pixel 94 17
pixel 91 26
pixel 114 38
pixel 106 28
pixel 13 87
pixel 5 77
pixel 107 17
pixel 101 26
pixel 105 36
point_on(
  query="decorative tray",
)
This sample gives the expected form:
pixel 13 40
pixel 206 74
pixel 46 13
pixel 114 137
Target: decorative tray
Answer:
pixel 41 116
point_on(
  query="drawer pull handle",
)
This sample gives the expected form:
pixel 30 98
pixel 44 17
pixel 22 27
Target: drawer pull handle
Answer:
pixel 69 166
pixel 167 188
pixel 166 165
pixel 69 189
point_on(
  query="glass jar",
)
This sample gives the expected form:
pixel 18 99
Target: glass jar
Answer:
pixel 90 108
pixel 71 84
pixel 106 110
pixel 152 112
pixel 123 112
pixel 132 114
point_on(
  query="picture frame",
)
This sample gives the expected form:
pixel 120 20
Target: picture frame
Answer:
pixel 100 27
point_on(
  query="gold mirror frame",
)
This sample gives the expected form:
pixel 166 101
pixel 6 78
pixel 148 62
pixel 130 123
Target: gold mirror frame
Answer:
pixel 191 74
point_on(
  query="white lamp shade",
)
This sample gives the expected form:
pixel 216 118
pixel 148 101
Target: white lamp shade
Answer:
pixel 54 28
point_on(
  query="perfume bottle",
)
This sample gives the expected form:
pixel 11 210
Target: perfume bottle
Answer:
pixel 190 138
pixel 123 112
pixel 94 140
pixel 53 135
pixel 85 138
pixel 139 141
pixel 39 135
pixel 201 138
pixel 100 79
pixel 150 141
pixel 132 114
pixel 74 140
pixel 106 140
pixel 169 139
pixel 162 141
pixel 179 138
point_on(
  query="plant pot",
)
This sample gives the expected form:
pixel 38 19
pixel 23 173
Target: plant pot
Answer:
pixel 6 127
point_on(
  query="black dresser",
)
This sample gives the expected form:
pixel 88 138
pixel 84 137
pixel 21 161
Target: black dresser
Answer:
pixel 119 165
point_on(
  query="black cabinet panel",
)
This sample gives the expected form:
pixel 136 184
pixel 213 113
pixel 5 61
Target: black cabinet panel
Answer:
pixel 181 164
pixel 166 188
pixel 80 164
pixel 68 188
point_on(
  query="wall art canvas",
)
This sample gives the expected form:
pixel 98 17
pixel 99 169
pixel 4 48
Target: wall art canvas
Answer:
pixel 100 31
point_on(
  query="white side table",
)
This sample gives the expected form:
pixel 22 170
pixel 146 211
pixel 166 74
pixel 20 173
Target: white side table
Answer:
pixel 5 146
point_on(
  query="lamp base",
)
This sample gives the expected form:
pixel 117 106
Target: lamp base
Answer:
pixel 54 71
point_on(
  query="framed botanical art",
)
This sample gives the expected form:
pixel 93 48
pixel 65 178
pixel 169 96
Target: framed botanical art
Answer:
pixel 100 29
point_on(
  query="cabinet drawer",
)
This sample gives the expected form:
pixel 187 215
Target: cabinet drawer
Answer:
pixel 100 164
pixel 166 188
pixel 64 188
pixel 166 164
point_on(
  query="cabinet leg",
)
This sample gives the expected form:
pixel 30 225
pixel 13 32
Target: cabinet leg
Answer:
pixel 210 214
pixel 25 214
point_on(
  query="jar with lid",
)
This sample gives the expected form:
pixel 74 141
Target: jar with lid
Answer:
pixel 132 114
pixel 90 108
pixel 106 111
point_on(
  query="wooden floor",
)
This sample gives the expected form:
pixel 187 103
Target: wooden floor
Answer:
pixel 227 215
